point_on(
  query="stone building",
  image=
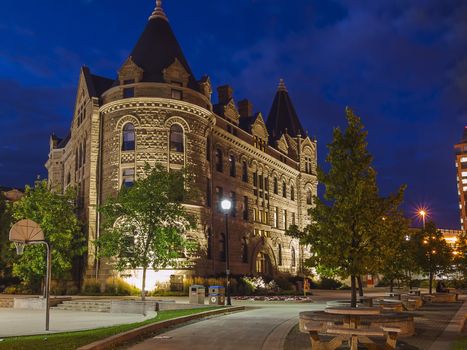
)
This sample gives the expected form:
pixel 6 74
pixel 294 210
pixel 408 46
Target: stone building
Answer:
pixel 156 111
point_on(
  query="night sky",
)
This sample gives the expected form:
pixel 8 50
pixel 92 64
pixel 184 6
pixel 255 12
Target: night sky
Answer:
pixel 401 65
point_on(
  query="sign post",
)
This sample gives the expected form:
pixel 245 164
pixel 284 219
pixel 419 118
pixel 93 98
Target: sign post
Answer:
pixel 29 232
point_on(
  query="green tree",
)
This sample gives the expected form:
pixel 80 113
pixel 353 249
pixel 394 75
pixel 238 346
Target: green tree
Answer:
pixel 346 236
pixel 460 255
pixel 55 213
pixel 145 224
pixel 433 254
pixel 6 252
pixel 398 259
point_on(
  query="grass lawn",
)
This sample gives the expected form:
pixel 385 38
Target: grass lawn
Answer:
pixel 460 344
pixel 73 340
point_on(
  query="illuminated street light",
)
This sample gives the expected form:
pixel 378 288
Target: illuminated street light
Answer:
pixel 226 206
pixel 423 213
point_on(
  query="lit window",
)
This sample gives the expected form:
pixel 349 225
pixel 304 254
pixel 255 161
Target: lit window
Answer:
pixel 176 138
pixel 128 139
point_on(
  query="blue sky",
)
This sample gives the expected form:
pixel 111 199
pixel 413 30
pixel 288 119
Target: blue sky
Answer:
pixel 401 65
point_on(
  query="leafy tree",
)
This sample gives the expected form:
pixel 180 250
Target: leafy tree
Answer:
pixel 55 214
pixel 346 236
pixel 433 254
pixel 145 224
pixel 460 255
pixel 6 252
pixel 398 259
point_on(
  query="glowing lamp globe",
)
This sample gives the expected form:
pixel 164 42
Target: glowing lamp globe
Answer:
pixel 226 204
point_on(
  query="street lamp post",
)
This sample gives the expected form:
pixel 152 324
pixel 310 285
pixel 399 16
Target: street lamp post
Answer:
pixel 422 213
pixel 226 205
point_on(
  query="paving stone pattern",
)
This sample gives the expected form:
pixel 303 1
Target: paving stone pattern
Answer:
pixel 430 322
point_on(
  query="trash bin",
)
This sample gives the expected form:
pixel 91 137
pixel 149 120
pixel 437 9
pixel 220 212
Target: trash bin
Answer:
pixel 197 294
pixel 216 295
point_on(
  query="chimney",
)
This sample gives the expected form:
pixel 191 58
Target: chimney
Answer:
pixel 245 108
pixel 224 93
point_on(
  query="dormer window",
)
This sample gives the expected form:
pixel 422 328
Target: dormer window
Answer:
pixel 177 83
pixel 177 94
pixel 128 92
pixel 128 81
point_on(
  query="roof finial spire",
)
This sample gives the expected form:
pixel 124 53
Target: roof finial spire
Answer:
pixel 158 11
pixel 281 86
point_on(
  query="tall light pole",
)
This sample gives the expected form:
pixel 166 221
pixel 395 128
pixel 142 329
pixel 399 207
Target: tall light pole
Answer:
pixel 226 205
pixel 422 213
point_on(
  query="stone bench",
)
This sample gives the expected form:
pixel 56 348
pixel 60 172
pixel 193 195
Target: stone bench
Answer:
pixel 441 297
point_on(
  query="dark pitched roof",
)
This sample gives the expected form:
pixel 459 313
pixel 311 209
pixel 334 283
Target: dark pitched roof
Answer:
pixel 157 48
pixel 62 143
pixel 246 122
pixel 282 116
pixel 96 84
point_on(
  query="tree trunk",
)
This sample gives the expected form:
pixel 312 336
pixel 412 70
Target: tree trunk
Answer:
pixel 360 285
pixel 353 300
pixel 431 282
pixel 143 286
pixel 391 285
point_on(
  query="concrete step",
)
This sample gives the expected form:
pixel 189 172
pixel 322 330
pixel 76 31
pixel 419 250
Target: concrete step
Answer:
pixel 85 305
pixel 6 302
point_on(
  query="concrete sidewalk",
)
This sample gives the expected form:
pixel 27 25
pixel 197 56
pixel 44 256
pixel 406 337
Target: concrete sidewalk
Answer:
pixel 16 322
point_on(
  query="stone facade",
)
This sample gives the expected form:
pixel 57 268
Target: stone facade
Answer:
pixel 163 115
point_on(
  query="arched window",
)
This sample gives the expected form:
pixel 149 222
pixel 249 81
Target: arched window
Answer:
pixel 279 255
pixel 244 250
pixel 128 137
pixel 209 247
pixel 176 138
pixel 293 257
pixel 219 161
pixel 276 186
pixel 308 197
pixel 222 247
pixel 292 193
pixel 284 189
pixel 233 170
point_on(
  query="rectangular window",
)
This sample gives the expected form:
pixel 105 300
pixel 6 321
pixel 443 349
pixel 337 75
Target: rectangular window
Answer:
pixel 219 195
pixel 284 218
pixel 245 208
pixel 233 198
pixel 261 183
pixel 128 177
pixel 276 217
pixel 255 214
pixel 177 94
pixel 208 193
pixel 128 92
pixel 293 218
pixel 266 184
pixel 244 171
pixel 255 179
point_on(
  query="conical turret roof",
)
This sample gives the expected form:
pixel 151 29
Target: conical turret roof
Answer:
pixel 157 48
pixel 282 117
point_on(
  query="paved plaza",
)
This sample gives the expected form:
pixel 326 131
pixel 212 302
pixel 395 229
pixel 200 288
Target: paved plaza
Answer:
pixel 15 322
pixel 263 325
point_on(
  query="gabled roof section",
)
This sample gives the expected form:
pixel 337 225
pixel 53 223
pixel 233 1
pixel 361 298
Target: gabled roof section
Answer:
pixel 282 116
pixel 96 84
pixel 157 48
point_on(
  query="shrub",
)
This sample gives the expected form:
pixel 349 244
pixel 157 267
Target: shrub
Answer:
pixel 117 286
pixel 329 283
pixel 284 283
pixel 91 287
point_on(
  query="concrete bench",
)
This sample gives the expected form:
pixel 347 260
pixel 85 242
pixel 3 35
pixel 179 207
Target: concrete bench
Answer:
pixel 441 297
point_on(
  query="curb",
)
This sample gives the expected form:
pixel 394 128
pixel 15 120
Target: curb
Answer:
pixel 120 338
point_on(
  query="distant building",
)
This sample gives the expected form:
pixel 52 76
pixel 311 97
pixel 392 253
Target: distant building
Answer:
pixel 156 111
pixel 461 165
